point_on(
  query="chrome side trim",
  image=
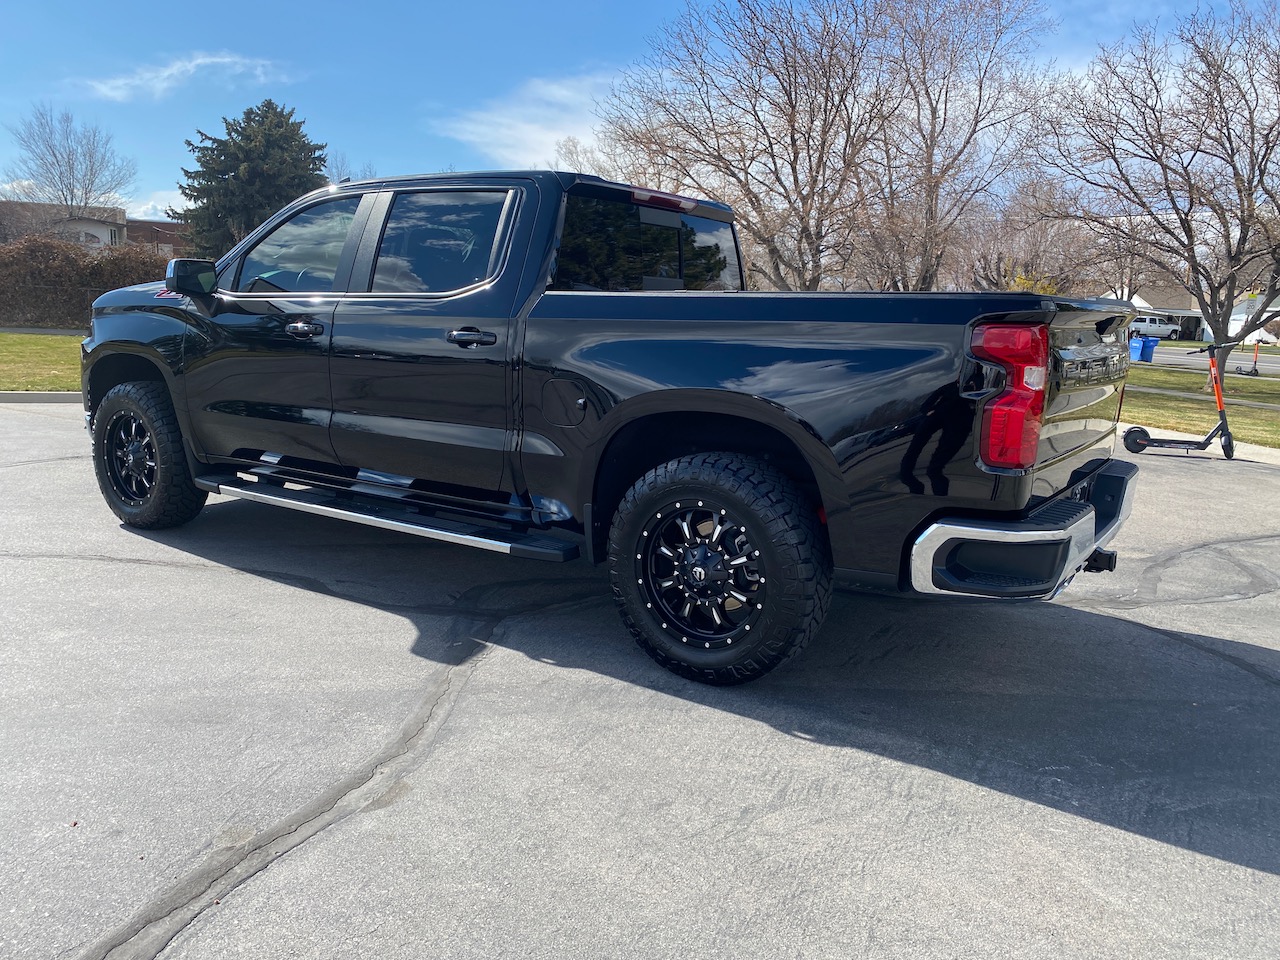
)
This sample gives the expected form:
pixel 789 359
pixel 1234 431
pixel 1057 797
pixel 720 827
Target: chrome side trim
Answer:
pixel 448 536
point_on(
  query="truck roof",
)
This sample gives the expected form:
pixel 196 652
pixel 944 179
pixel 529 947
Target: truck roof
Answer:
pixel 565 180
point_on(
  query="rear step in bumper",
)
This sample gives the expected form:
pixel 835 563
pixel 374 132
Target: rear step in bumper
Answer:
pixel 392 517
pixel 1026 559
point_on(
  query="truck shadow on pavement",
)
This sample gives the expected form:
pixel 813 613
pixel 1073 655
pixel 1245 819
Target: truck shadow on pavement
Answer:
pixel 1169 735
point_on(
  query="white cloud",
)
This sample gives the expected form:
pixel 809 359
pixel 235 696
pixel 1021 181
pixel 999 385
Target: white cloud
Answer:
pixel 153 206
pixel 521 129
pixel 156 82
pixel 15 188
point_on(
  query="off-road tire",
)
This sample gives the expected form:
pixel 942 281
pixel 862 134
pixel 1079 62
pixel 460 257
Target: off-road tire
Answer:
pixel 732 527
pixel 139 460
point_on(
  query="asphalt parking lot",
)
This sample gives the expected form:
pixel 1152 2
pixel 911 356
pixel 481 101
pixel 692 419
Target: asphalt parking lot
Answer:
pixel 271 735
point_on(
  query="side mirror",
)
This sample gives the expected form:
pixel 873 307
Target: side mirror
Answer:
pixel 195 278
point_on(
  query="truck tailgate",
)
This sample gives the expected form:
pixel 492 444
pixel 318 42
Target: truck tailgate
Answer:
pixel 1088 361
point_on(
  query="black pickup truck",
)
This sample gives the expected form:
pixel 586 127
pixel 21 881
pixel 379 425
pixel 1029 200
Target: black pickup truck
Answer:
pixel 547 365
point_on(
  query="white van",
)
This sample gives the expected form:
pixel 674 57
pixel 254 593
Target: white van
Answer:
pixel 1156 327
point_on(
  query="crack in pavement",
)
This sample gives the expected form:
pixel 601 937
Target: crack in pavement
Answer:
pixel 152 928
pixel 28 463
pixel 1240 662
pixel 1258 580
pixel 155 925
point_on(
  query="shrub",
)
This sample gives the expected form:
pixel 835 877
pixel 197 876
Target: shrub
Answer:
pixel 48 282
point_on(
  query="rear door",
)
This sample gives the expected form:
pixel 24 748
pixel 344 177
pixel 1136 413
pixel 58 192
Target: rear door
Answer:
pixel 421 358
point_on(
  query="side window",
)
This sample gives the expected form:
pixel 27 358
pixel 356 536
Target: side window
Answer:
pixel 617 245
pixel 301 255
pixel 439 242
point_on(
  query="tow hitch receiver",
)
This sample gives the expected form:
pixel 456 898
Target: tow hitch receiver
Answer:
pixel 1100 561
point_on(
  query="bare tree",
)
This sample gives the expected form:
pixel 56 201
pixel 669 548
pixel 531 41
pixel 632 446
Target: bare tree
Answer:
pixel 770 105
pixel 958 133
pixel 71 165
pixel 337 168
pixel 1010 244
pixel 1169 148
pixel 853 139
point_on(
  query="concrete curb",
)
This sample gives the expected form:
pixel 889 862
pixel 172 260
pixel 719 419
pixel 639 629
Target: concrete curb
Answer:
pixel 38 396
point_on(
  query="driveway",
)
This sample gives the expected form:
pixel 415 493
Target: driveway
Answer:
pixel 271 735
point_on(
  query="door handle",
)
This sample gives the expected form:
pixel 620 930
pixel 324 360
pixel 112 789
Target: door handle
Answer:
pixel 303 329
pixel 471 337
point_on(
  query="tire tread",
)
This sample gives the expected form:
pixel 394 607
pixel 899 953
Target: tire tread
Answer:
pixel 793 527
pixel 179 499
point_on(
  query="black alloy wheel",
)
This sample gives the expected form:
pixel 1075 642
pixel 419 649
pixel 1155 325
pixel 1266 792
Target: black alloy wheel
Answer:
pixel 701 573
pixel 131 457
pixel 139 458
pixel 720 567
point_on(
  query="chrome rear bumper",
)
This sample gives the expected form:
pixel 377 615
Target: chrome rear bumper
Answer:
pixel 1032 558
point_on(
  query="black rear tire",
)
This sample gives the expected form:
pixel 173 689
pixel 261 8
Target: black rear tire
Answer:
pixel 720 567
pixel 1136 439
pixel 139 459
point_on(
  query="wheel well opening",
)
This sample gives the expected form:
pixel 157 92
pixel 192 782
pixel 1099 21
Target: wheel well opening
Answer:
pixel 652 441
pixel 117 369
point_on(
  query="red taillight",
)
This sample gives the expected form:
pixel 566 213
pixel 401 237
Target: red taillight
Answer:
pixel 1011 421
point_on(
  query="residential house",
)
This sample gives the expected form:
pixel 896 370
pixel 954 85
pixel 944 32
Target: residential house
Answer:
pixel 160 236
pixel 98 227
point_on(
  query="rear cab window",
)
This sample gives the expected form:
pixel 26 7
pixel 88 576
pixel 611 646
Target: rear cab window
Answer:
pixel 613 242
pixel 440 242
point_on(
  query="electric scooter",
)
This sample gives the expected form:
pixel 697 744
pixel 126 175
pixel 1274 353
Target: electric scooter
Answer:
pixel 1254 371
pixel 1137 439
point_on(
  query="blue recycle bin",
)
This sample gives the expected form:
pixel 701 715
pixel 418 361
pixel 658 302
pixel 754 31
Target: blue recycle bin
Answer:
pixel 1143 348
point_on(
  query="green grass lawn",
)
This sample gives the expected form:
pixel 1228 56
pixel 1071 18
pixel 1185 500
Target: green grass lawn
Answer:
pixel 1159 412
pixel 1264 389
pixel 1199 414
pixel 32 361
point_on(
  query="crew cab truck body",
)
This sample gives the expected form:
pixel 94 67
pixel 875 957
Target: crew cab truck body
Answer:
pixel 548 365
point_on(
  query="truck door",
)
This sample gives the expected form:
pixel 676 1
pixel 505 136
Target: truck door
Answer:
pixel 257 370
pixel 421 359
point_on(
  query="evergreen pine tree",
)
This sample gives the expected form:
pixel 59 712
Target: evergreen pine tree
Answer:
pixel 263 162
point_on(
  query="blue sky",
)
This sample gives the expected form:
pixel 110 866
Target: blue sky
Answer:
pixel 404 87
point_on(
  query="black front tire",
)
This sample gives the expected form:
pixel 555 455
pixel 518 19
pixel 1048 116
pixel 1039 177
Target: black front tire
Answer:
pixel 720 567
pixel 1136 439
pixel 1228 446
pixel 139 460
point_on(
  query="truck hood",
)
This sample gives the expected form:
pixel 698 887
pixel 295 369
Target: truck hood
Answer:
pixel 137 294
